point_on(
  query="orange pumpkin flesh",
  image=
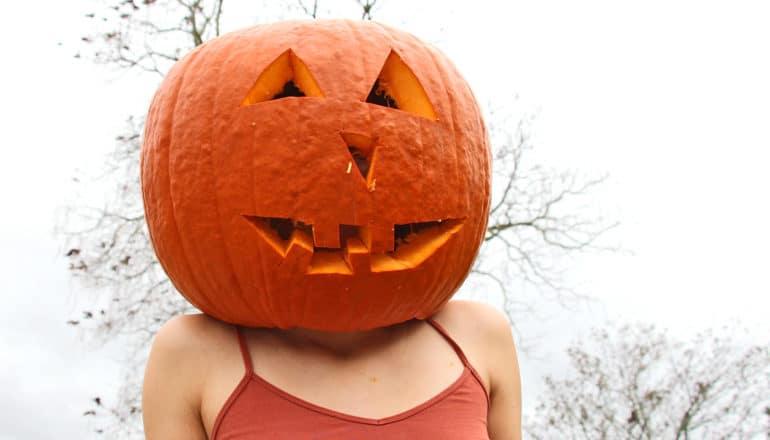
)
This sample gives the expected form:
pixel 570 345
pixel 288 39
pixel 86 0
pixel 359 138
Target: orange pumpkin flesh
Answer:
pixel 331 175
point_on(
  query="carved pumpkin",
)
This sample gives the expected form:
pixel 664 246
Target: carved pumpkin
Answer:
pixel 331 175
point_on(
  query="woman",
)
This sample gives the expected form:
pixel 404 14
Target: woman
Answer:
pixel 400 381
pixel 328 175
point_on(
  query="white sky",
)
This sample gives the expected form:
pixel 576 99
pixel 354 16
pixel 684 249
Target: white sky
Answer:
pixel 671 98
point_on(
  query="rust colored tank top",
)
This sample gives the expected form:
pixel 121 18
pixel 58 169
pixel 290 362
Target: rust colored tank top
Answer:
pixel 258 410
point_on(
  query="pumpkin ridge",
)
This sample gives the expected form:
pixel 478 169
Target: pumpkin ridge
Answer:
pixel 277 311
pixel 482 225
pixel 215 103
pixel 453 115
pixel 266 301
pixel 172 206
pixel 201 149
pixel 362 64
pixel 168 128
pixel 241 292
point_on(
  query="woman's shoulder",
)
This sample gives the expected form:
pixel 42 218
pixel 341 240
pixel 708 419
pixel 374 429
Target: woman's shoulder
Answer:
pixel 194 345
pixel 473 320
pixel 483 333
pixel 189 335
pixel 183 355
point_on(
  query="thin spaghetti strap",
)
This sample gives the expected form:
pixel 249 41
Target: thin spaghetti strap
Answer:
pixel 451 341
pixel 244 350
pixel 460 353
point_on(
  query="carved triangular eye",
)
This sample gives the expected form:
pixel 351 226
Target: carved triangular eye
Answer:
pixel 284 77
pixel 398 87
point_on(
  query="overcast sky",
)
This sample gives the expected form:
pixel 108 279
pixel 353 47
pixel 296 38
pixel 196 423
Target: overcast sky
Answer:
pixel 670 98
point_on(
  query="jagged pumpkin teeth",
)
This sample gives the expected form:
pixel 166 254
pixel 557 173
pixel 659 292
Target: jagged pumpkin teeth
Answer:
pixel 247 207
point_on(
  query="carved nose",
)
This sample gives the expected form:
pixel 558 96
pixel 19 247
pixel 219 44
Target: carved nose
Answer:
pixel 362 154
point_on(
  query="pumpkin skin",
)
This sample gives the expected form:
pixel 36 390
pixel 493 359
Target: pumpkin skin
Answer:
pixel 322 211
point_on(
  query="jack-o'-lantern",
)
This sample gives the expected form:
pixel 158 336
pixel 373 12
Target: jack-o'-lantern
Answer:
pixel 331 175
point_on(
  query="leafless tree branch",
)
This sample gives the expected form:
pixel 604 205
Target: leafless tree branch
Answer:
pixel 635 382
pixel 311 11
pixel 366 6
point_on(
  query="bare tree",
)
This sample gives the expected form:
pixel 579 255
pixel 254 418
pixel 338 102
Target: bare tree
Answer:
pixel 537 218
pixel 634 382
pixel 108 246
pixel 366 8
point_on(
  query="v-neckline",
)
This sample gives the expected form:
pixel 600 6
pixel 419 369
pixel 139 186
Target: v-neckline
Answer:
pixel 359 419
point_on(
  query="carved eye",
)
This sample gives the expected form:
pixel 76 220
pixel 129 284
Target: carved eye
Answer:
pixel 286 76
pixel 398 87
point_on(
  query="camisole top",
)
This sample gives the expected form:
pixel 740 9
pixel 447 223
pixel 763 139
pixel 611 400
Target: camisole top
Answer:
pixel 256 410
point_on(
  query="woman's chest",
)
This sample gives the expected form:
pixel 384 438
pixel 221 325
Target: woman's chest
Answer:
pixel 258 410
pixel 375 387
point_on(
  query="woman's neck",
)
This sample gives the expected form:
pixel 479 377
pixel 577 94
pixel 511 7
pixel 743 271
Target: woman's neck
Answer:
pixel 345 344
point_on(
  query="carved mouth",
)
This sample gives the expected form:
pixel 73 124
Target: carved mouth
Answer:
pixel 298 243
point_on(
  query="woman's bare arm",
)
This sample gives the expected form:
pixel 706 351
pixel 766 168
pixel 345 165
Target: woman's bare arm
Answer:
pixel 485 335
pixel 171 394
pixel 504 419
